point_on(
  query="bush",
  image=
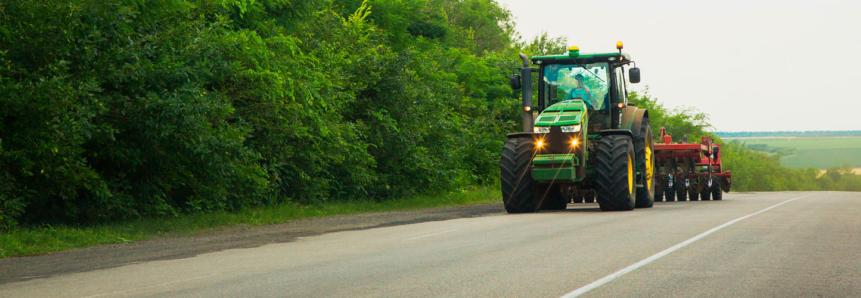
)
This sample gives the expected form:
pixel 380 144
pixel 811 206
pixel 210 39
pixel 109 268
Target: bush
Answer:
pixel 123 109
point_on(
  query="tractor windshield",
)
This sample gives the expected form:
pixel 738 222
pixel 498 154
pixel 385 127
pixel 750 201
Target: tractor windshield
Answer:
pixel 589 83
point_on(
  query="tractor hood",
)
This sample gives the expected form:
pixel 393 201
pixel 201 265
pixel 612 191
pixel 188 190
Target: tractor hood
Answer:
pixel 569 112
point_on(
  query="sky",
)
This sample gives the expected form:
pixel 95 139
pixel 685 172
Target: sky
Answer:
pixel 751 65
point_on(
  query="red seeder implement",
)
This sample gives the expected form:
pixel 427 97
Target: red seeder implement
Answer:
pixel 689 170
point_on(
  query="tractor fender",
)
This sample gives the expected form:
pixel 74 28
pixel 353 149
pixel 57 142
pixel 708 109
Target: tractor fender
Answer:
pixel 628 117
pixel 522 135
pixel 610 132
pixel 639 115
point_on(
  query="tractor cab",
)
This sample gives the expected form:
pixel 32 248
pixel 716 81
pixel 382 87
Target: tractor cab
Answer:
pixel 596 80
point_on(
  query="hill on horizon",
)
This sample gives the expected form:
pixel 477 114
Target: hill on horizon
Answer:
pixel 765 134
pixel 801 152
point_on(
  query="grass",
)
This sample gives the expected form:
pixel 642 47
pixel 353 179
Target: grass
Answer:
pixel 816 152
pixel 824 158
pixel 806 143
pixel 40 240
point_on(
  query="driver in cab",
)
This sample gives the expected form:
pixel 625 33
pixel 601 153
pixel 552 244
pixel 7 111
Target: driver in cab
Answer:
pixel 580 91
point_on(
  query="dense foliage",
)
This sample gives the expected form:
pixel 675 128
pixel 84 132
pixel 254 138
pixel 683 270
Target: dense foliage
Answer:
pixel 121 108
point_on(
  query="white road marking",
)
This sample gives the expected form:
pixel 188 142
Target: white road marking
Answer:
pixel 626 270
pixel 153 286
pixel 440 233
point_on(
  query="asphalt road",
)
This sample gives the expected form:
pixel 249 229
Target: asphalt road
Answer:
pixel 785 244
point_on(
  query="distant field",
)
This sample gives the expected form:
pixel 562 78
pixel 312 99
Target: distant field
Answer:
pixel 820 153
pixel 857 171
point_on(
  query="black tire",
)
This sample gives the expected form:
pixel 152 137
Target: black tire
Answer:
pixel 589 196
pixel 682 194
pixel 693 194
pixel 705 195
pixel 670 191
pixel 615 173
pixel 717 194
pixel 681 189
pixel 670 194
pixel 659 191
pixel 644 148
pixel 578 198
pixel 552 197
pixel 518 194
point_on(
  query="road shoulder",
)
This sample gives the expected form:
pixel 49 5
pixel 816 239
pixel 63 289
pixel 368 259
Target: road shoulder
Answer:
pixel 116 255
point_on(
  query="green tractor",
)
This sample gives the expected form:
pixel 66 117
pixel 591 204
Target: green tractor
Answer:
pixel 581 141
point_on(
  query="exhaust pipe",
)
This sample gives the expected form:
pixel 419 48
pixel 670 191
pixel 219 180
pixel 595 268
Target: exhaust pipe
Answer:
pixel 526 75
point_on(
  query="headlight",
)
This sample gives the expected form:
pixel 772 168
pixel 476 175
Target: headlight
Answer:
pixel 570 128
pixel 542 129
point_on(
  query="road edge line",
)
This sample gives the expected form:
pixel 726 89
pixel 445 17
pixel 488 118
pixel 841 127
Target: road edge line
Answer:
pixel 425 236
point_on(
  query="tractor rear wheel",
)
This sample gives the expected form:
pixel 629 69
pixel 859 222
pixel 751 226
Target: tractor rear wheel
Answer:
pixel 615 173
pixel 644 147
pixel 717 195
pixel 553 197
pixel 518 194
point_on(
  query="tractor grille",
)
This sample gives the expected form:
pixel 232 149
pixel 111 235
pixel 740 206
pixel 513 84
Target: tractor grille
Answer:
pixel 558 142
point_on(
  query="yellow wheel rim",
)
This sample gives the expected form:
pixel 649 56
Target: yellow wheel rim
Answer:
pixel 649 168
pixel 630 175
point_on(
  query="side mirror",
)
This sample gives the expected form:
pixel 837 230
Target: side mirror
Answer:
pixel 716 151
pixel 515 82
pixel 634 75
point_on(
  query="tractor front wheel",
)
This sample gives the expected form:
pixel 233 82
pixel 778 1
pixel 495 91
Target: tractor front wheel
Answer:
pixel 518 194
pixel 615 173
